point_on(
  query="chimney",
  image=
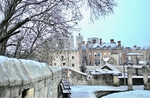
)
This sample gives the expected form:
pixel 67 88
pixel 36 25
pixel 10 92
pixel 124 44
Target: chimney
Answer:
pixel 100 41
pixel 89 42
pixel 119 43
pixel 83 42
pixel 134 46
pixel 111 40
pixel 93 41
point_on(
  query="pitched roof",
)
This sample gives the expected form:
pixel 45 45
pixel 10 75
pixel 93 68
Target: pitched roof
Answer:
pixel 110 68
pixel 106 59
pixel 134 54
pixel 104 45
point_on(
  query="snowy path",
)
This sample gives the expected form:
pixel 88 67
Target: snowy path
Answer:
pixel 84 91
pixel 130 94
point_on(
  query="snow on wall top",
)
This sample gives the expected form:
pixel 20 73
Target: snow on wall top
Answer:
pixel 20 71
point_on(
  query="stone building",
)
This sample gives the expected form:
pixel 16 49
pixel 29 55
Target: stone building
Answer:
pixel 71 42
pixel 69 58
pixel 136 55
pixel 79 39
pixel 95 50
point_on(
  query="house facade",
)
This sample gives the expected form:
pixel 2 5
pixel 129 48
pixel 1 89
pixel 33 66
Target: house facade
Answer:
pixel 94 51
pixel 137 55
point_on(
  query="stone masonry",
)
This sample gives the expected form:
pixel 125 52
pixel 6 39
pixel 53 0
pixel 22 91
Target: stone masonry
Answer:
pixel 21 78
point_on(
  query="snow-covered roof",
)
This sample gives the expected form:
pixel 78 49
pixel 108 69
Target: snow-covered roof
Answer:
pixel 90 45
pixel 90 39
pixel 140 48
pixel 133 54
pixel 111 68
pixel 104 45
pixel 96 45
pixel 112 45
pixel 107 69
pixel 106 59
pixel 142 62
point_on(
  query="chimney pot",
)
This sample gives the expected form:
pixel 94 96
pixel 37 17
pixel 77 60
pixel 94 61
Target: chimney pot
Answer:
pixel 134 46
pixel 111 40
pixel 119 43
pixel 100 41
pixel 83 42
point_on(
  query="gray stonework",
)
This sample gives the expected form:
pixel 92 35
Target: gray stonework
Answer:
pixel 79 78
pixel 145 77
pixel 129 68
pixel 30 79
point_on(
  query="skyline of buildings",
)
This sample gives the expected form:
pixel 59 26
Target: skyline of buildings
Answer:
pixel 89 38
pixel 95 52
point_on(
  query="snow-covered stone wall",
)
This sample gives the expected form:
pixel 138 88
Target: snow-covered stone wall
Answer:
pixel 79 78
pixel 21 78
pixel 28 79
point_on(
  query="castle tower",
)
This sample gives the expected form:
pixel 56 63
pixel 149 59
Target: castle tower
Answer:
pixel 71 41
pixel 79 39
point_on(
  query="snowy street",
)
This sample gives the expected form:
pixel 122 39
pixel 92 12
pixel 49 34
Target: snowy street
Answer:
pixel 84 91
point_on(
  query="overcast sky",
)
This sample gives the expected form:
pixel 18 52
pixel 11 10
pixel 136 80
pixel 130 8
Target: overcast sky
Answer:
pixel 130 24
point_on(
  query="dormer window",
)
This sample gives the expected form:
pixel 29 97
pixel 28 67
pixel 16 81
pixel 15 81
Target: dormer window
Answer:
pixel 109 47
pixel 104 46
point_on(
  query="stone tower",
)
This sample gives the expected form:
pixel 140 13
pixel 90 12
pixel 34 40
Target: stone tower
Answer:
pixel 71 41
pixel 79 39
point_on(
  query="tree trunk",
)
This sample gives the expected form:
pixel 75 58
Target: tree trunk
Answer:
pixel 3 47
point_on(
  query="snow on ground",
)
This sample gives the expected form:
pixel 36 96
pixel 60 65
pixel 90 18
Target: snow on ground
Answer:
pixel 86 91
pixel 130 94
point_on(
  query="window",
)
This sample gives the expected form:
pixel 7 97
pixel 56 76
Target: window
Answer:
pixel 72 57
pixel 95 54
pixel 97 62
pixel 98 54
pixel 62 57
pixel 64 64
pixel 72 65
pixel 105 53
pixel 55 64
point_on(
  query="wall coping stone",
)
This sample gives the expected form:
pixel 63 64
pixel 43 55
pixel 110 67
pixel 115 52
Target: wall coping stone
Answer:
pixel 20 71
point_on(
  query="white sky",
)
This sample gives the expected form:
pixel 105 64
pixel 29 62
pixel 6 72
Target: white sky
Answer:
pixel 130 24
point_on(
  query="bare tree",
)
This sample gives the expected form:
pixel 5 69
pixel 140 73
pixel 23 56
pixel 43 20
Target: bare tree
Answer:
pixel 26 24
